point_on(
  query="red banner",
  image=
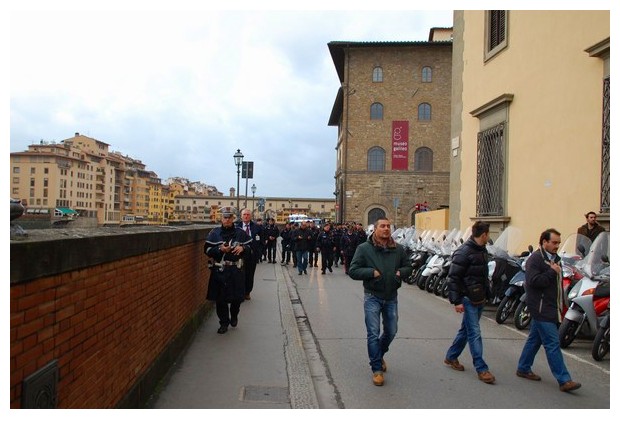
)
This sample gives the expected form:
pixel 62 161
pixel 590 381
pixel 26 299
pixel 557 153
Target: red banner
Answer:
pixel 400 145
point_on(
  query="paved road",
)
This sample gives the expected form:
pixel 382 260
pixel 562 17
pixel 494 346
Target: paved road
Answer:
pixel 416 376
pixel 301 343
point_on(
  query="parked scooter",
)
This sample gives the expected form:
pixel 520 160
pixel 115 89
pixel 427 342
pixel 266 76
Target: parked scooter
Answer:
pixel 590 296
pixel 515 290
pixel 600 346
pixel 435 265
pixel 503 265
pixel 574 249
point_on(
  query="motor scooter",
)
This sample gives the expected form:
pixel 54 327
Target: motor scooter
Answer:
pixel 600 346
pixel 503 265
pixel 590 296
pixel 515 289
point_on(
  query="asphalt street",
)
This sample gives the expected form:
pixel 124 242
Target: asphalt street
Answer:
pixel 301 343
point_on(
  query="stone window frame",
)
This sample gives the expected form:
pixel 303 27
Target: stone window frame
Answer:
pixel 375 159
pixel 377 74
pixel 495 32
pixel 427 74
pixel 376 111
pixel 425 115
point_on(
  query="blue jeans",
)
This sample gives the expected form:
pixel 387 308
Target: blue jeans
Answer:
pixel 302 260
pixel 469 333
pixel 545 334
pixel 377 343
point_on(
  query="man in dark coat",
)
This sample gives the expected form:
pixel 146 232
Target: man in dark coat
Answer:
pixel 304 241
pixel 544 295
pixel 591 228
pixel 286 244
pixel 327 246
pixel 469 268
pixel 348 243
pixel 254 230
pixel 271 239
pixel 226 246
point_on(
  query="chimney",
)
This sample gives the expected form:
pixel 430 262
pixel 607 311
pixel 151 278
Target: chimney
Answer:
pixel 77 134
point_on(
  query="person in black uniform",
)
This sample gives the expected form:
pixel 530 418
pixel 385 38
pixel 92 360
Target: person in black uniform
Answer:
pixel 271 236
pixel 326 244
pixel 226 246
pixel 286 244
pixel 255 231
pixel 313 253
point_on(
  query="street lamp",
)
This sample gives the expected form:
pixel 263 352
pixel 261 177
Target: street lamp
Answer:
pixel 253 189
pixel 238 156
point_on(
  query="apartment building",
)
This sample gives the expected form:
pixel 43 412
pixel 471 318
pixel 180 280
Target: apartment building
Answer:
pixel 530 133
pixel 81 176
pixel 392 111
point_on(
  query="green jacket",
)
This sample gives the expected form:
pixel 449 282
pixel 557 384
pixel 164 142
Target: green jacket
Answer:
pixel 371 256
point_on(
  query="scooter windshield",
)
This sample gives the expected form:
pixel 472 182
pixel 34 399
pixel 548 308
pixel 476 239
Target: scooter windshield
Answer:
pixel 596 262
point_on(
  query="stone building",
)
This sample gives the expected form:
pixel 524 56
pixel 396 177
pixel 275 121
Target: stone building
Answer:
pixel 392 111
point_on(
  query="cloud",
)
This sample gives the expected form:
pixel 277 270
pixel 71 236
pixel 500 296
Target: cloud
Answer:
pixel 182 90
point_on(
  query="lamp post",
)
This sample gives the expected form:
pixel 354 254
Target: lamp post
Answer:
pixel 238 156
pixel 253 189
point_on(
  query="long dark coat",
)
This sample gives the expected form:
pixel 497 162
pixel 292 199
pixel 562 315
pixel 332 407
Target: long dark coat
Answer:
pixel 226 283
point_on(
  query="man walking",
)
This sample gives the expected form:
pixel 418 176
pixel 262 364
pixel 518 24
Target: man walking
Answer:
pixel 381 264
pixel 325 243
pixel 226 246
pixel 271 235
pixel 468 283
pixel 304 241
pixel 544 294
pixel 253 230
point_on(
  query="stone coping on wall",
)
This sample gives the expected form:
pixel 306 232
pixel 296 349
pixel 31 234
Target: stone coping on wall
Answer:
pixel 46 252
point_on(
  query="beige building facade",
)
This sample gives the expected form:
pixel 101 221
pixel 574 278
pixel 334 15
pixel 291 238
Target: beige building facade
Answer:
pixel 393 117
pixel 81 176
pixel 530 120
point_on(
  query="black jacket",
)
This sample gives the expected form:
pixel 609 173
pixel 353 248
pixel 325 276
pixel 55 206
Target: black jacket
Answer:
pixel 226 283
pixel 469 267
pixel 256 231
pixel 543 288
pixel 302 239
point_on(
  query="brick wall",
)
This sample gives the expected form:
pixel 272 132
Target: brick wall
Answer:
pixel 107 315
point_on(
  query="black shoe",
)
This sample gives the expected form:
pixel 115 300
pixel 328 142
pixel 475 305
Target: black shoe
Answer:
pixel 233 322
pixel 330 269
pixel 305 272
pixel 315 265
pixel 336 265
pixel 322 271
pixel 222 329
pixel 300 273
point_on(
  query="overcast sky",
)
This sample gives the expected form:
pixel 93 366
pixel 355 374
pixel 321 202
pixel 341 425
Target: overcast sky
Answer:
pixel 182 91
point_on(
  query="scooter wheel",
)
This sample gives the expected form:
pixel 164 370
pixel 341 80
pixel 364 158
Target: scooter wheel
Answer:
pixel 567 332
pixel 600 347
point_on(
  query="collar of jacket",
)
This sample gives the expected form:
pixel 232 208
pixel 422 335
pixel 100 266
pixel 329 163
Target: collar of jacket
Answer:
pixel 391 244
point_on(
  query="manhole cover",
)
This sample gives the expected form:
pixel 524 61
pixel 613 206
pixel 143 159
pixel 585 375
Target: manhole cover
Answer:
pixel 274 395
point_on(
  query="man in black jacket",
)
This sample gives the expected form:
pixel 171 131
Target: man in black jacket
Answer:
pixel 544 294
pixel 254 230
pixel 469 268
pixel 271 239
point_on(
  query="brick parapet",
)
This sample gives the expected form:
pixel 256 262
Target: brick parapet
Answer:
pixel 113 310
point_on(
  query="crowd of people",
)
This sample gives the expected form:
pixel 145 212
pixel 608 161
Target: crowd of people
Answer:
pixel 381 264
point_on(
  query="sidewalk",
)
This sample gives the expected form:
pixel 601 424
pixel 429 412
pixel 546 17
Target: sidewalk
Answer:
pixel 260 364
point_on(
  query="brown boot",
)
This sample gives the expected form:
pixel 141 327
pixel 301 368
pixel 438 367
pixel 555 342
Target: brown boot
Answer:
pixel 486 377
pixel 454 364
pixel 377 378
pixel 570 385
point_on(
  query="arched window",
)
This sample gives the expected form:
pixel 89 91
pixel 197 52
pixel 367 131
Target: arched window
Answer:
pixel 424 112
pixel 377 74
pixel 376 159
pixel 375 214
pixel 376 111
pixel 423 159
pixel 427 74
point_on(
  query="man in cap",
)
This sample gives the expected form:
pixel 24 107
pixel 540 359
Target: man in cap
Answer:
pixel 227 246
